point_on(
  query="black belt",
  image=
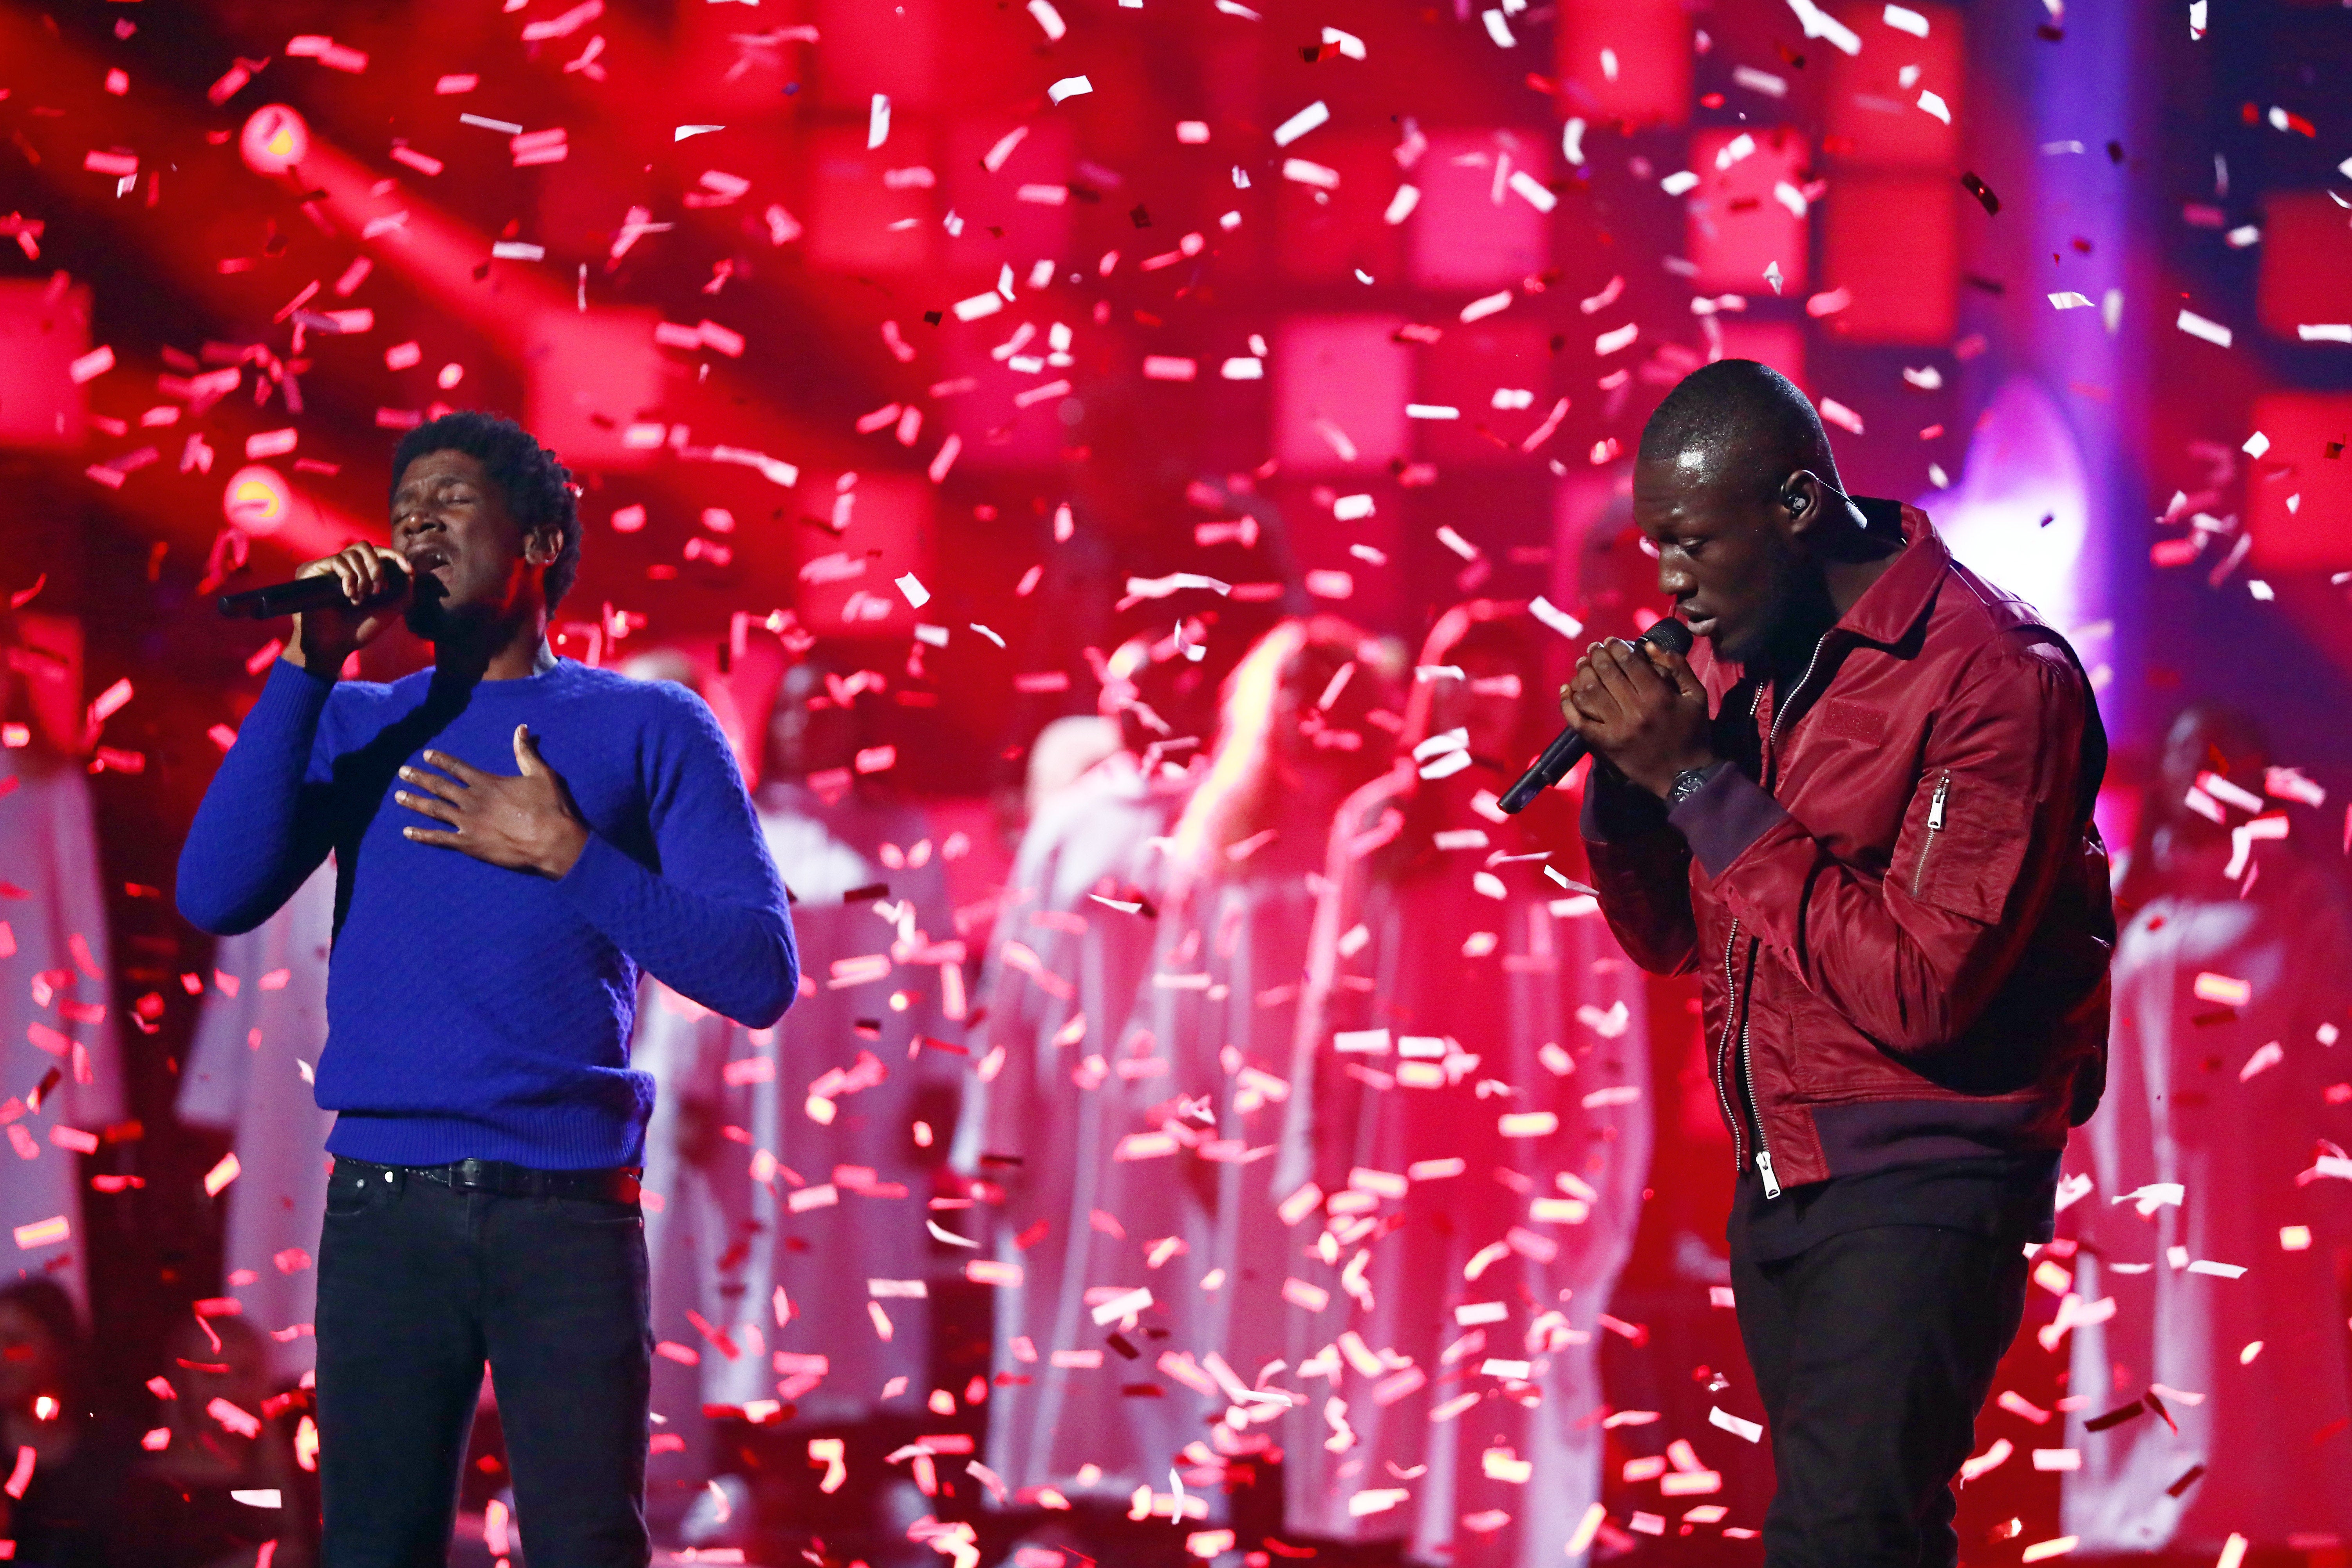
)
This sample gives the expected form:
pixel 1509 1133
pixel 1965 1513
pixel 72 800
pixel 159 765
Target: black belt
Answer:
pixel 617 1184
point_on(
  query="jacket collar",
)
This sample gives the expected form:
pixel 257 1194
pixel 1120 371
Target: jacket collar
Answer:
pixel 1888 608
pixel 1905 590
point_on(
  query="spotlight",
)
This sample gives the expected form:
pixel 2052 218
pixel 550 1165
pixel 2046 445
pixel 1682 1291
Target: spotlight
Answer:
pixel 257 501
pixel 275 139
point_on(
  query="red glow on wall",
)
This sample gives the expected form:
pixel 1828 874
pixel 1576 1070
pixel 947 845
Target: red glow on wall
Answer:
pixel 2306 274
pixel 1647 43
pixel 1340 386
pixel 2301 426
pixel 1472 229
pixel 1873 114
pixel 1893 242
pixel 1780 344
pixel 1741 219
pixel 43 330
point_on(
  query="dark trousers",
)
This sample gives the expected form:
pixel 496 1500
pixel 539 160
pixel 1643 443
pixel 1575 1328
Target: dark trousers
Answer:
pixel 418 1285
pixel 1873 1350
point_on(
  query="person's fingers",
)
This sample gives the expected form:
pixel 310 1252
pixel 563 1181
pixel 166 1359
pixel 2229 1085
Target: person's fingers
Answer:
pixel 448 789
pixel 1613 671
pixel 446 837
pixel 429 806
pixel 463 771
pixel 1678 670
pixel 526 751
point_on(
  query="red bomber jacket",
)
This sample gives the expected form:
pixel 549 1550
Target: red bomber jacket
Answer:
pixel 1895 895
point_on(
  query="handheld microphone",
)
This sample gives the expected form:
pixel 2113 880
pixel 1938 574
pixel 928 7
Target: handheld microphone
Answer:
pixel 1568 748
pixel 316 592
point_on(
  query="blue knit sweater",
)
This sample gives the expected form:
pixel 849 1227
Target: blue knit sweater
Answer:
pixel 475 1011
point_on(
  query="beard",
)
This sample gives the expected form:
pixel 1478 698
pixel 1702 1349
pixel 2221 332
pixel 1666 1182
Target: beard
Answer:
pixel 1795 609
pixel 430 617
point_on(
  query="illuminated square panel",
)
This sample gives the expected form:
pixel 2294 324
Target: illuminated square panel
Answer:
pixel 2306 276
pixel 1872 116
pixel 1033 196
pixel 1326 234
pixel 1745 214
pixel 2313 537
pixel 1628 61
pixel 1499 374
pixel 1340 386
pixel 1892 242
pixel 1780 344
pixel 855 221
pixel 1472 230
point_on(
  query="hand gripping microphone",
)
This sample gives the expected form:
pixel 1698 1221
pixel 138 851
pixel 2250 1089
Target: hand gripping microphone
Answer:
pixel 315 593
pixel 1568 748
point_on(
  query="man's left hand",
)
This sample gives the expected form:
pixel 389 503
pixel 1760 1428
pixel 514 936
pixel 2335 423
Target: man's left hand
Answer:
pixel 524 821
pixel 1642 709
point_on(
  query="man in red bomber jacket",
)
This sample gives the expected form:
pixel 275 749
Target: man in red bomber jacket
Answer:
pixel 1864 813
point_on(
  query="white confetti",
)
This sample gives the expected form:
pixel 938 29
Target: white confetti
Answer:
pixel 1299 124
pixel 2197 326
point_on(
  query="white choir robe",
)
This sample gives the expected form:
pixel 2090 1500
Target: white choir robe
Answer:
pixel 1183 1174
pixel 1062 975
pixel 734 1249
pixel 1487 1007
pixel 2197 1096
pixel 246 1075
pixel 55 1012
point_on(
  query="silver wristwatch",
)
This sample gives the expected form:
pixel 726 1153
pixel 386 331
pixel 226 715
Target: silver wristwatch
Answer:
pixel 1688 783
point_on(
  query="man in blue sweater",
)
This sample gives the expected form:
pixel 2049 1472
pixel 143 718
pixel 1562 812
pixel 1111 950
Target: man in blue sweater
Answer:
pixel 515 837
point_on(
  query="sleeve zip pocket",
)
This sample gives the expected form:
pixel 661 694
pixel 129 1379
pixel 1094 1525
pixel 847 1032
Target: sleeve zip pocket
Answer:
pixel 1935 827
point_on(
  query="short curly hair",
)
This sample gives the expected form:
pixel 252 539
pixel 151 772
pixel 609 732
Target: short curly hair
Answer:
pixel 537 487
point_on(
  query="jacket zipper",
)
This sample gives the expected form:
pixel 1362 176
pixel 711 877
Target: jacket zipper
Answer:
pixel 1723 1054
pixel 1746 1065
pixel 1935 826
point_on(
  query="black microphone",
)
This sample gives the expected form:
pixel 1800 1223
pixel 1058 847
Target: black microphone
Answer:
pixel 1568 748
pixel 317 593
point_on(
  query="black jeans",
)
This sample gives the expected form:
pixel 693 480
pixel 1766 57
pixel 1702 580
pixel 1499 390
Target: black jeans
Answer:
pixel 418 1285
pixel 1873 1351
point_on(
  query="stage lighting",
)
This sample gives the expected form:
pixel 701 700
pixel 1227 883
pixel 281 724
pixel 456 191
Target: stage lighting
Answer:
pixel 257 499
pixel 2020 513
pixel 275 139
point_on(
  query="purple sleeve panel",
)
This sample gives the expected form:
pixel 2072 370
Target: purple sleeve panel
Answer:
pixel 1616 811
pixel 1729 812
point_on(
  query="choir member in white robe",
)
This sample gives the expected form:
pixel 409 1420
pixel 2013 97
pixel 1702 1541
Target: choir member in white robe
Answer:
pixel 55 1013
pixel 2225 1095
pixel 1064 961
pixel 836 1124
pixel 1195 1075
pixel 249 1074
pixel 1469 1097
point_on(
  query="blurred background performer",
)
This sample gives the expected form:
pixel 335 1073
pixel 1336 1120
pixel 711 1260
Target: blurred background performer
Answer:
pixel 56 1015
pixel 1473 980
pixel 2225 1095
pixel 1865 815
pixel 491 927
pixel 1063 969
pixel 848 1108
pixel 1198 1066
pixel 697 1207
pixel 249 1074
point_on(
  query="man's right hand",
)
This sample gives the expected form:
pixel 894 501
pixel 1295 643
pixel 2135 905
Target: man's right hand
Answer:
pixel 323 638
